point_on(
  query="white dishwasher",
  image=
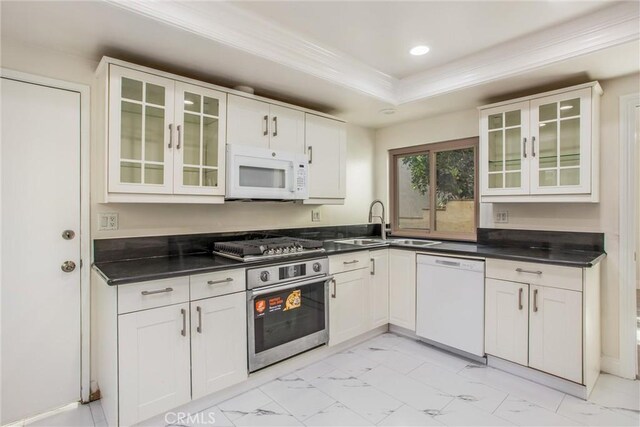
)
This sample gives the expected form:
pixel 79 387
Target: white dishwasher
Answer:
pixel 450 302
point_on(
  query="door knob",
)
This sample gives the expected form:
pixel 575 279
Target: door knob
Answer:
pixel 68 234
pixel 68 266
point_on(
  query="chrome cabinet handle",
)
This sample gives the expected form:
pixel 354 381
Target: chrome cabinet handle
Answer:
pixel 524 147
pixel 373 267
pixel 159 291
pixel 310 151
pixel 170 135
pixel 535 300
pixel 355 261
pixel 183 332
pixel 179 136
pixel 520 270
pixel 520 299
pixel 335 289
pixel 266 125
pixel 533 146
pixel 216 282
pixel 199 328
pixel 275 125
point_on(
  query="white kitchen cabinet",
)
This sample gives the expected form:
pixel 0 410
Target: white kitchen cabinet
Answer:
pixel 348 305
pixel 555 332
pixel 260 124
pixel 507 320
pixel 218 343
pixel 541 148
pixel 326 147
pixel 166 139
pixel 379 288
pixel 153 361
pixel 402 288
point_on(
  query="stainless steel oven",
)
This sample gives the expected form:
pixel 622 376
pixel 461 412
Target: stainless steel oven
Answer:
pixel 287 310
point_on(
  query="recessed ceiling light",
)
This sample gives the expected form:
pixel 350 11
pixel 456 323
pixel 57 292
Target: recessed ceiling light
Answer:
pixel 187 102
pixel 388 111
pixel 419 50
pixel 566 107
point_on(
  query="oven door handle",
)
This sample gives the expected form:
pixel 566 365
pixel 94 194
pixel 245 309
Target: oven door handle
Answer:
pixel 264 291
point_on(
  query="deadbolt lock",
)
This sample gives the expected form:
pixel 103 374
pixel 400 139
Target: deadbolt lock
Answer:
pixel 68 234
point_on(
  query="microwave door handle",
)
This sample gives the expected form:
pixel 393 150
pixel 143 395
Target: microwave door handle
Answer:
pixel 263 291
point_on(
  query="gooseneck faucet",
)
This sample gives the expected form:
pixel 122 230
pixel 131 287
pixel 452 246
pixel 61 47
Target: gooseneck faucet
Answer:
pixel 383 226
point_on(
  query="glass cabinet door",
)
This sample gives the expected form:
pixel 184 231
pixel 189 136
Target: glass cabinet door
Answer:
pixel 560 133
pixel 140 116
pixel 505 149
pixel 200 150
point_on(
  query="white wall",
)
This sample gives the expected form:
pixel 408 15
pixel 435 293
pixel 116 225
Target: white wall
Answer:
pixel 601 217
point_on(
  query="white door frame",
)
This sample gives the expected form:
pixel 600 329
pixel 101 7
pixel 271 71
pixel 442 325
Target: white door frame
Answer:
pixel 627 364
pixel 84 234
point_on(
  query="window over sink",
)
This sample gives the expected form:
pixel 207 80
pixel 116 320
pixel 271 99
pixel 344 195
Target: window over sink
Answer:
pixel 433 190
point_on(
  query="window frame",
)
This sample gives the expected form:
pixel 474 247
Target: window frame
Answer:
pixel 432 149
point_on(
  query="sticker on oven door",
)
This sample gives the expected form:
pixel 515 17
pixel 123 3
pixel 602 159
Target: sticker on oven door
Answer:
pixel 275 304
pixel 260 306
pixel 294 300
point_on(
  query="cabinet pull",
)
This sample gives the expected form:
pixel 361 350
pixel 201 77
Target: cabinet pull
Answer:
pixel 266 125
pixel 524 147
pixel 199 310
pixel 159 291
pixel 170 135
pixel 179 136
pixel 216 282
pixel 535 300
pixel 355 261
pixel 275 125
pixel 183 332
pixel 310 151
pixel 520 270
pixel 373 267
pixel 335 289
pixel 520 299
pixel 533 146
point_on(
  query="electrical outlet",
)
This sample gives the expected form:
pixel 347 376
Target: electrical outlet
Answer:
pixel 107 221
pixel 315 215
pixel 501 217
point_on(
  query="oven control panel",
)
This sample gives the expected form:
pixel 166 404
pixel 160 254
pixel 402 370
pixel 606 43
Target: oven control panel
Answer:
pixel 286 272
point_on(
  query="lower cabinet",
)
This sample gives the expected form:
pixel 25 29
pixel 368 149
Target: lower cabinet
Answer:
pixel 507 320
pixel 379 288
pixel 555 332
pixel 218 343
pixel 402 288
pixel 348 305
pixel 154 362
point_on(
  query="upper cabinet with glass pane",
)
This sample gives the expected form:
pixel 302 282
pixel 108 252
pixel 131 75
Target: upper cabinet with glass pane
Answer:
pixel 542 148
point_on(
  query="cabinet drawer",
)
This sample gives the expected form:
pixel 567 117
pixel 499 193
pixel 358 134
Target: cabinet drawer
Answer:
pixel 348 262
pixel 156 293
pixel 554 276
pixel 218 283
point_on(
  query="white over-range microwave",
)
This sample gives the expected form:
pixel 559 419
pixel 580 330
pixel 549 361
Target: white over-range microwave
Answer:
pixel 260 173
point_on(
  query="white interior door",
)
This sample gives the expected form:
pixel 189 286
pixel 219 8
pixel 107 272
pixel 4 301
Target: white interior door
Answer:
pixel 40 200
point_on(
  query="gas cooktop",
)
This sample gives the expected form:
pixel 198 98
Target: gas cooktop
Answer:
pixel 266 248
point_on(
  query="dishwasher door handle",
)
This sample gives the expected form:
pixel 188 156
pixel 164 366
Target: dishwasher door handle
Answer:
pixel 448 263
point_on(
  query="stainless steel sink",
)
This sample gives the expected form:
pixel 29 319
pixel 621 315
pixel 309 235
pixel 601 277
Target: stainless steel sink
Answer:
pixel 363 242
pixel 412 242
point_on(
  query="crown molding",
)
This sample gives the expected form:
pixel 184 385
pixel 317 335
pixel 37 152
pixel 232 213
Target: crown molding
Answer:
pixel 599 30
pixel 235 27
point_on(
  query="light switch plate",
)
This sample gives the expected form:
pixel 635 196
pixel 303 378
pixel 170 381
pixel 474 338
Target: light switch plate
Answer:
pixel 107 221
pixel 501 217
pixel 315 215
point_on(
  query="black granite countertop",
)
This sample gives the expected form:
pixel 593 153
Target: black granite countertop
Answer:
pixel 143 269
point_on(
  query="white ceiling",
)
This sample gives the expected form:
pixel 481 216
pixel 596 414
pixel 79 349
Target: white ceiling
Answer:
pixel 380 33
pixel 92 29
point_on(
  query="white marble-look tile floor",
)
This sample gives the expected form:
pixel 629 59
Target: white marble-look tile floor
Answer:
pixel 396 381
